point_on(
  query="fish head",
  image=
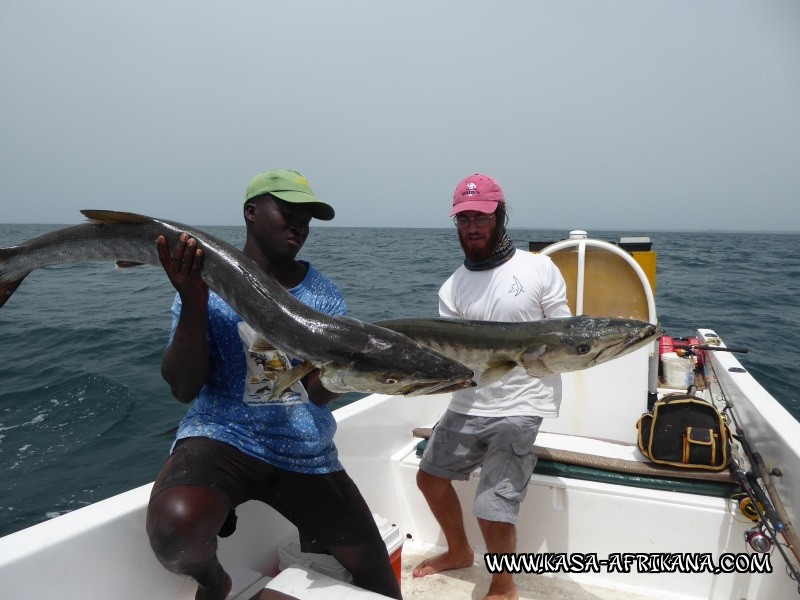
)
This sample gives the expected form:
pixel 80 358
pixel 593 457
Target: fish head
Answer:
pixel 584 342
pixel 396 365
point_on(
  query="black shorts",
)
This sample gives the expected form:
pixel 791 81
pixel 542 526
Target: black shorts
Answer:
pixel 328 510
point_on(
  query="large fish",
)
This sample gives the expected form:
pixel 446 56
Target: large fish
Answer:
pixel 491 349
pixel 351 355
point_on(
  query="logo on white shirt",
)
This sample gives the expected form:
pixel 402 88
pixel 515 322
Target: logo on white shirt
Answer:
pixel 516 288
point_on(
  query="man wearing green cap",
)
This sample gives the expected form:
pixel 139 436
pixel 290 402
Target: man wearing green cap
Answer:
pixel 235 442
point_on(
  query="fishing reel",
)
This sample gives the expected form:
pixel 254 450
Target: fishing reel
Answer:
pixel 758 540
pixel 750 508
pixel 755 537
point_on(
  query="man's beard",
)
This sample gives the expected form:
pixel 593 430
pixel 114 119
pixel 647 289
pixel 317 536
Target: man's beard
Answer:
pixel 486 252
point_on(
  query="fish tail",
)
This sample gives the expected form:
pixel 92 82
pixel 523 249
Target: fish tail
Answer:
pixel 8 286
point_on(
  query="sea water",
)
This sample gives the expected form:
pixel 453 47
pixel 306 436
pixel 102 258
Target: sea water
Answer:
pixel 84 413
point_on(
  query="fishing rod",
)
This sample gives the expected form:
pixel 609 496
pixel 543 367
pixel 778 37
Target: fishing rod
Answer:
pixel 718 348
pixel 767 506
pixel 775 510
pixel 766 536
pixel 690 349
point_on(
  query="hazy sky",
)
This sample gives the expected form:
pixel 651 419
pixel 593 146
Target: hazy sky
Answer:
pixel 592 114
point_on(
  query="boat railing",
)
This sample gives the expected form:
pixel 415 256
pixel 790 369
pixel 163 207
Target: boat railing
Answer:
pixel 604 280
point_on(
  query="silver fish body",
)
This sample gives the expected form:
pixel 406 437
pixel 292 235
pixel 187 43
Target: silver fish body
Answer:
pixel 545 347
pixel 351 355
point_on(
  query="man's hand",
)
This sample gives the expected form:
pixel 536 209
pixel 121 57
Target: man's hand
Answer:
pixel 183 267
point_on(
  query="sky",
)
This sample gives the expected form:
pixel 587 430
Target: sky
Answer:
pixel 592 114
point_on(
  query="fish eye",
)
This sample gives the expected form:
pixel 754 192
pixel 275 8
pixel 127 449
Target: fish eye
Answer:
pixel 582 348
pixel 391 381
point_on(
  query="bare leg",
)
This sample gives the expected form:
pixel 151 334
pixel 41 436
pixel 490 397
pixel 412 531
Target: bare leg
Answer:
pixel 500 538
pixel 446 508
pixel 182 524
pixel 370 567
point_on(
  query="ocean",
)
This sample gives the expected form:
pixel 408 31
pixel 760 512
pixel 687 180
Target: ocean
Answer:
pixel 84 413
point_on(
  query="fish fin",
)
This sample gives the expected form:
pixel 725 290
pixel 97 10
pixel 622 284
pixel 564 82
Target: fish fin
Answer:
pixel 494 372
pixel 260 344
pixel 288 378
pixel 8 287
pixel 113 217
pixel 126 264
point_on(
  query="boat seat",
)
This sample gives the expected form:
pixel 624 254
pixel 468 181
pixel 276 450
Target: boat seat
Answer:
pixel 302 582
pixel 610 462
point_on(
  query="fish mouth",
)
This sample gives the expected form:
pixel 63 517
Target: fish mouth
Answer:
pixel 441 387
pixel 634 340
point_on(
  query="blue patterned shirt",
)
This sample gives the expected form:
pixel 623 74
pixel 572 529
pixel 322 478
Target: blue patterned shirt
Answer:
pixel 289 432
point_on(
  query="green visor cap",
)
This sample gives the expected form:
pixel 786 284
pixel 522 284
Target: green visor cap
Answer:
pixel 289 186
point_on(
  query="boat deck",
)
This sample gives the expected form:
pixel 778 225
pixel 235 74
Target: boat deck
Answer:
pixel 473 582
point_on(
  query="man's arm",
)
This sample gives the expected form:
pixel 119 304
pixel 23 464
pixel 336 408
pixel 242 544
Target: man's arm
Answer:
pixel 185 363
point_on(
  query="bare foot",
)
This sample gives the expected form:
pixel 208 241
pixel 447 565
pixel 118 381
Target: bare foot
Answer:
pixel 204 593
pixel 504 590
pixel 444 562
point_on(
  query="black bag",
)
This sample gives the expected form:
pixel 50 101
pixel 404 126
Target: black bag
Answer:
pixel 685 431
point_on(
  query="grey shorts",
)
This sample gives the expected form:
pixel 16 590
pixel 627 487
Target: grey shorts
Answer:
pixel 501 446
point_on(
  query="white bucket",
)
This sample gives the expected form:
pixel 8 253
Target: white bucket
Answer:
pixel 678 371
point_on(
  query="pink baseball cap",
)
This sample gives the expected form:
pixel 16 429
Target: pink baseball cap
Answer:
pixel 477 192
